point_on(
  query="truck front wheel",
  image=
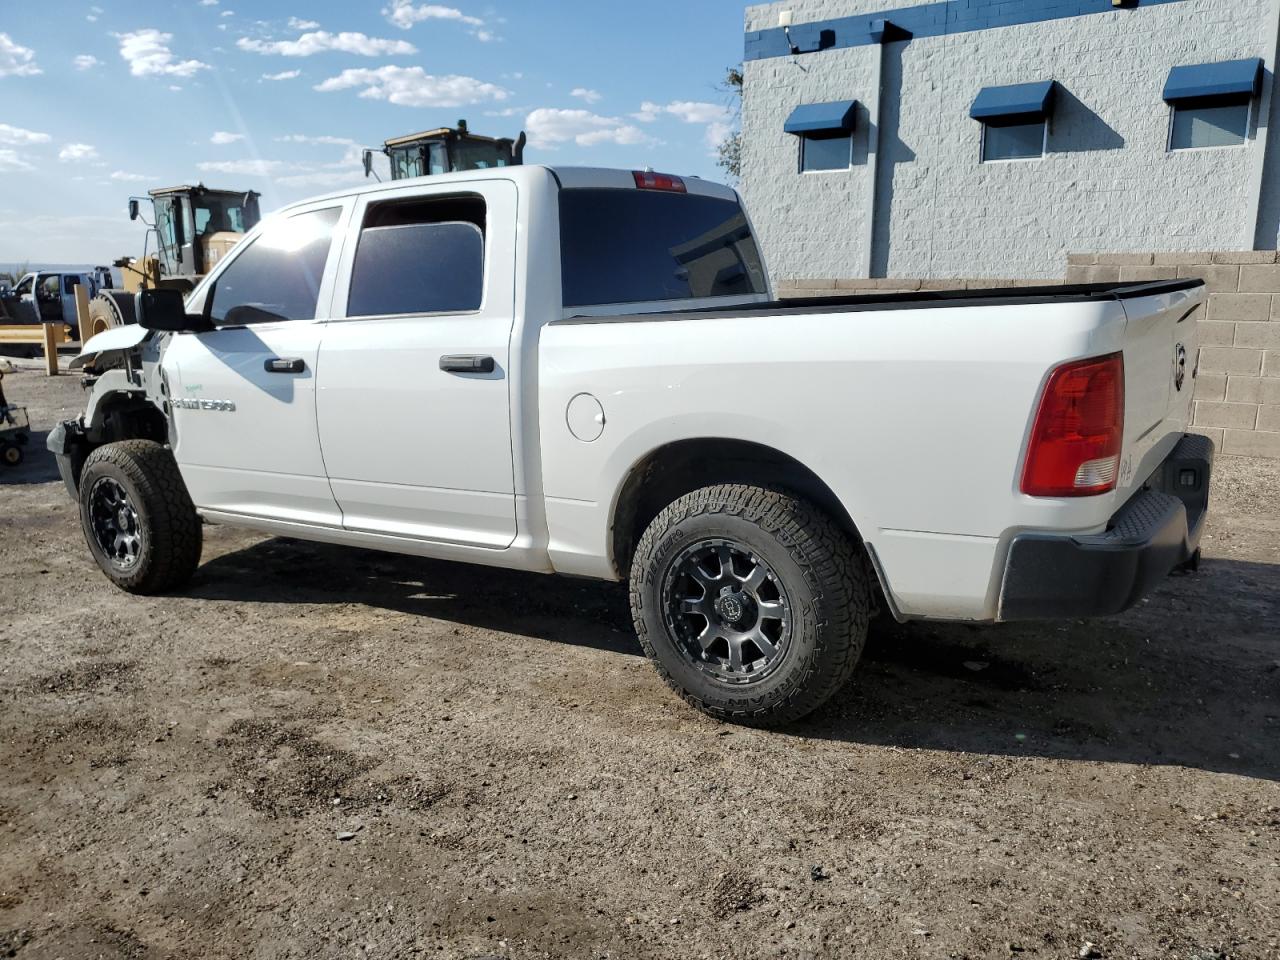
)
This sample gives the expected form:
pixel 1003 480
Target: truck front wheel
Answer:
pixel 752 603
pixel 138 518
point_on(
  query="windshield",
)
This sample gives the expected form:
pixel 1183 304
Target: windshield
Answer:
pixel 633 246
pixel 406 162
pixel 479 155
pixel 219 214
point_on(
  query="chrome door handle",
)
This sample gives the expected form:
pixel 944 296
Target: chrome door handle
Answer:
pixel 284 365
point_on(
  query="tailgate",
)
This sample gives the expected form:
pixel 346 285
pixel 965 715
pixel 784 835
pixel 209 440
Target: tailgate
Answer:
pixel 1160 358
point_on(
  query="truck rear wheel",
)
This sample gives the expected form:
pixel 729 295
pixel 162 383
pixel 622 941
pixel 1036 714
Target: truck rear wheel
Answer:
pixel 138 518
pixel 752 603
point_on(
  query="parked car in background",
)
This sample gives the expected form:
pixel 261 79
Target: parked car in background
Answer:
pixel 584 371
pixel 50 297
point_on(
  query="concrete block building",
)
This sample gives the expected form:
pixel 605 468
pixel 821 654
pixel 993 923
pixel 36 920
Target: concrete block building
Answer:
pixel 989 138
pixel 892 145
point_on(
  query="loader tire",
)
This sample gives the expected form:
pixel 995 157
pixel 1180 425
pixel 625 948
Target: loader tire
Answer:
pixel 109 309
pixel 138 518
pixel 751 602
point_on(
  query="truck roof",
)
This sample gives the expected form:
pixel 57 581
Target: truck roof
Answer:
pixel 571 178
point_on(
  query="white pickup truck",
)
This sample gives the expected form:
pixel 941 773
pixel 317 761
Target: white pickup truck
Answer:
pixel 584 371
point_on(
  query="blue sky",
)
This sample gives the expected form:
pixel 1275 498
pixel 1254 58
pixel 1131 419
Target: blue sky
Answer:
pixel 100 101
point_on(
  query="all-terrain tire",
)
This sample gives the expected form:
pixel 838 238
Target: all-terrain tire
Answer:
pixel 167 525
pixel 813 560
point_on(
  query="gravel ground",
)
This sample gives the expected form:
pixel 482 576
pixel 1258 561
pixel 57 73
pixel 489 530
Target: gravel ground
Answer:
pixel 318 753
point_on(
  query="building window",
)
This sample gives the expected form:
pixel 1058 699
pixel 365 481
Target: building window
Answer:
pixel 1211 125
pixel 1014 141
pixel 825 132
pixel 826 152
pixel 1015 120
pixel 1211 104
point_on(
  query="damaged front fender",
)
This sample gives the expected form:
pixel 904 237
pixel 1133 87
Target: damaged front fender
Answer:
pixel 116 340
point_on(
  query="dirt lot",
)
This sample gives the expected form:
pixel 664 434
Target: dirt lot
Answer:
pixel 177 775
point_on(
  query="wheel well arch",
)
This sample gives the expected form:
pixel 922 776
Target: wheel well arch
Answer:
pixel 669 472
pixel 122 415
pixel 116 415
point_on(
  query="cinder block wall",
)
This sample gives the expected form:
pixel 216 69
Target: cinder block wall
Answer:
pixel 1238 389
pixel 1237 401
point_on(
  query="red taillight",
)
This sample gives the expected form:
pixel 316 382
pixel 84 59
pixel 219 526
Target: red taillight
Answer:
pixel 646 180
pixel 1076 440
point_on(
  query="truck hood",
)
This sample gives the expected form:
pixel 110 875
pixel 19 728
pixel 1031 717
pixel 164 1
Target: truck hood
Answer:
pixel 117 338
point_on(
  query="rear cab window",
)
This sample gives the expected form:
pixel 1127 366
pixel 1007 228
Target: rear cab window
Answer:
pixel 622 245
pixel 419 256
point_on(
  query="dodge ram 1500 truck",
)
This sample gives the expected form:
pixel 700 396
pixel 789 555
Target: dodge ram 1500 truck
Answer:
pixel 584 371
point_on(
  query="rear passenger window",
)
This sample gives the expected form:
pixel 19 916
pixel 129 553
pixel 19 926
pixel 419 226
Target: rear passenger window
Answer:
pixel 422 256
pixel 278 276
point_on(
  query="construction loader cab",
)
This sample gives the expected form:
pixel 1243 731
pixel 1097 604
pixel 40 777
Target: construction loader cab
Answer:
pixel 447 150
pixel 196 227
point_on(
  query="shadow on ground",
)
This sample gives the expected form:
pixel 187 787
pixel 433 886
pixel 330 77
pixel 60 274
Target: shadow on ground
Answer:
pixel 1191 677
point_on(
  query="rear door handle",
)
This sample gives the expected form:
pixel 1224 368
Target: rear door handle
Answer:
pixel 467 363
pixel 284 365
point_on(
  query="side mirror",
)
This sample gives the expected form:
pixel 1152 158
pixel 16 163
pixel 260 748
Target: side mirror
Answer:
pixel 134 212
pixel 368 162
pixel 164 310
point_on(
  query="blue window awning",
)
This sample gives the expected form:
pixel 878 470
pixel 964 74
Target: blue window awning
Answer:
pixel 1021 102
pixel 1232 78
pixel 834 117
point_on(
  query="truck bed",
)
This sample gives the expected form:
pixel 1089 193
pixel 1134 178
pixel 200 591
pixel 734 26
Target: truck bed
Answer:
pixel 854 303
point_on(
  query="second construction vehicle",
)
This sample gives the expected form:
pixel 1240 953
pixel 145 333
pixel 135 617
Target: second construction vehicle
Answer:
pixel 447 150
pixel 194 227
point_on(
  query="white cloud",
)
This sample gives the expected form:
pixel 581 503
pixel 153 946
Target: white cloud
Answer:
pixel 73 152
pixel 283 75
pixel 297 23
pixel 147 53
pixel 325 140
pixel 93 14
pixel 85 61
pixel 65 237
pixel 690 111
pixel 19 137
pixel 227 13
pixel 321 41
pixel 222 137
pixel 208 3
pixel 126 177
pixel 716 117
pixel 15 59
pixel 9 160
pixel 414 87
pixel 404 14
pixel 585 94
pixel 548 126
pixel 346 170
pixel 322 178
pixel 243 168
